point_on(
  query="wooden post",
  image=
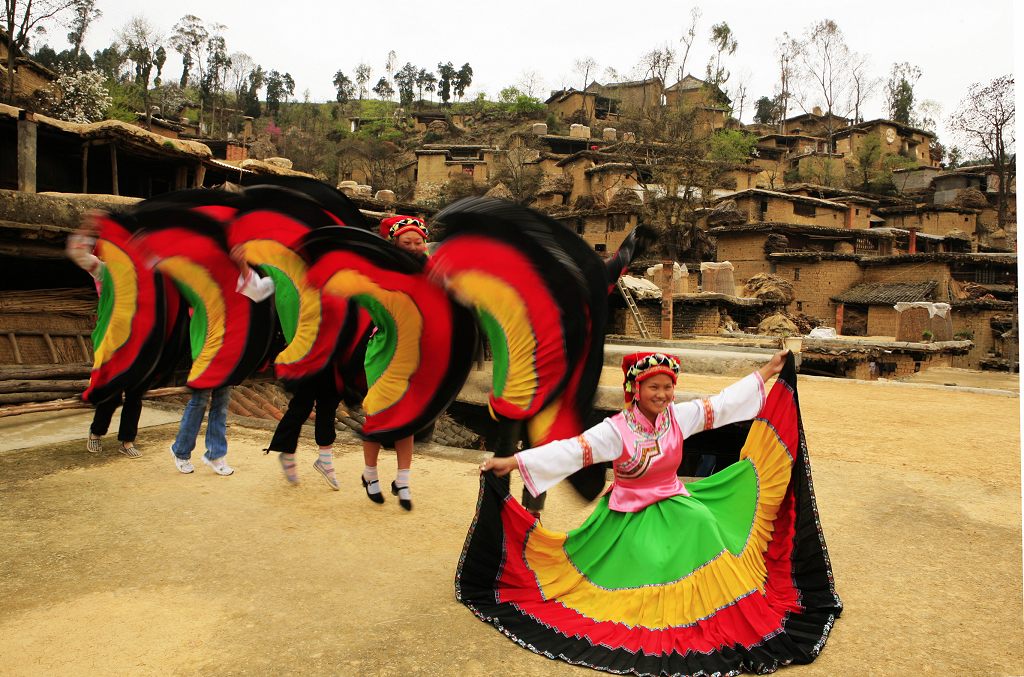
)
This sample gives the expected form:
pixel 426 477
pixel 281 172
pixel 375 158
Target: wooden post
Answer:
pixel 839 320
pixel 181 178
pixel 113 168
pixel 200 175
pixel 85 167
pixel 667 267
pixel 27 142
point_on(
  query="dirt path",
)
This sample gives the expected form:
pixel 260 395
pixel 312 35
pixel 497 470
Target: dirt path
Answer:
pixel 115 566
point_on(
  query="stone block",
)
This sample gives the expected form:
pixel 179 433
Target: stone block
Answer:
pixel 579 131
pixel 386 196
pixel 608 133
pixel 540 128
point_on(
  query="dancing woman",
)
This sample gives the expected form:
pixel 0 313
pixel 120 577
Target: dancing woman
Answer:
pixel 722 575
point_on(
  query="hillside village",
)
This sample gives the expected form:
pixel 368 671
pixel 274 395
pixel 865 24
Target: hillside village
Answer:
pixel 815 220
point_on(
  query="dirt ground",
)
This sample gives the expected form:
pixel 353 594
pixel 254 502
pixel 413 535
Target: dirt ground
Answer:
pixel 116 566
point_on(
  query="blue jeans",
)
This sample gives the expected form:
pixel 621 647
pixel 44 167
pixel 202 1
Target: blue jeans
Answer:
pixel 216 427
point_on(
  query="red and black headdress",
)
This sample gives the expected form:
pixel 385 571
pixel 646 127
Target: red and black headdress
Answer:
pixel 637 367
pixel 393 226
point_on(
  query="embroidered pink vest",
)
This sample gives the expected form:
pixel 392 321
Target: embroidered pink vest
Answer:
pixel 645 472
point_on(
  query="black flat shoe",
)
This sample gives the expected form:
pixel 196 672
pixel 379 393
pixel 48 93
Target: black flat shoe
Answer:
pixel 377 497
pixel 404 502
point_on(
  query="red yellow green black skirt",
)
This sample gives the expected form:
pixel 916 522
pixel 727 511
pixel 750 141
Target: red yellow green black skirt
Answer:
pixel 733 578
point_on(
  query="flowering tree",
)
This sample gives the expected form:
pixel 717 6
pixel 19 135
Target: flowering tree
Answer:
pixel 80 96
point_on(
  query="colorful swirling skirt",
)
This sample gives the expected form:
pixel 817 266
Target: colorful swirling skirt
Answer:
pixel 735 577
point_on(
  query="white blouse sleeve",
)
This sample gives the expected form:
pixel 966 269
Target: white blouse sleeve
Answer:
pixel 544 466
pixel 739 402
pixel 79 249
pixel 255 287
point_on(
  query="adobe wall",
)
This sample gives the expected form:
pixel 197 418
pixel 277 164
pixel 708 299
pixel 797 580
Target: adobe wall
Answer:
pixel 819 281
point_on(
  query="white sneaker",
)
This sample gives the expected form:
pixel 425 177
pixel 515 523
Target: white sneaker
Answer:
pixel 219 466
pixel 182 464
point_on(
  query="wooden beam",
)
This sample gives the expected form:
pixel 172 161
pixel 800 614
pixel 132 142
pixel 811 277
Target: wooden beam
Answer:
pixel 86 354
pixel 14 346
pixel 200 175
pixel 53 348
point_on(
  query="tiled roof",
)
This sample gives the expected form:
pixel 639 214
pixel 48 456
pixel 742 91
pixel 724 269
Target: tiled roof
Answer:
pixel 886 293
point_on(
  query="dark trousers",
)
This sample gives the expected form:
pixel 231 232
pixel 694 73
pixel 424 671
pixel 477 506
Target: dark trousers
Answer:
pixel 321 393
pixel 130 412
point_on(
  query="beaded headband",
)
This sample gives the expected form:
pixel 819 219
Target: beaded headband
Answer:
pixel 641 366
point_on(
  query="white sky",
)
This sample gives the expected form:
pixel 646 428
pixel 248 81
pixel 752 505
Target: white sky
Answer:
pixel 954 43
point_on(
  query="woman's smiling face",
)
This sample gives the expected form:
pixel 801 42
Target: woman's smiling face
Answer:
pixel 654 394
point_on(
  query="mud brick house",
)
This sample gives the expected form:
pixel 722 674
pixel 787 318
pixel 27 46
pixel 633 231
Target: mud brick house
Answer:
pixel 29 76
pixel 933 220
pixel 436 164
pixel 422 120
pixel 894 139
pixel 710 103
pixel 815 124
pixel 582 107
pixel 634 97
pixel 765 206
pixel 602 228
pixel 692 314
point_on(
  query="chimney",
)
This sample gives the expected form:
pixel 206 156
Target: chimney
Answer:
pixel 912 247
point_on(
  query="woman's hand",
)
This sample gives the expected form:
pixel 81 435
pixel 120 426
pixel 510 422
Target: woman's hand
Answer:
pixel 499 466
pixel 774 365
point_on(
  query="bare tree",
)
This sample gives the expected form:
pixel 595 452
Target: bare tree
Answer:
pixel 583 68
pixel 862 84
pixel 657 63
pixel 985 122
pixel 825 65
pixel 23 18
pixel 787 49
pixel 242 67
pixel 531 83
pixel 688 37
pixel 742 87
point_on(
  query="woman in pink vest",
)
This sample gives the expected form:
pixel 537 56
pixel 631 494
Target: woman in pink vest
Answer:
pixel 723 575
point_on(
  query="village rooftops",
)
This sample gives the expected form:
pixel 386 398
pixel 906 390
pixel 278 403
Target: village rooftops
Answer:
pixel 923 208
pixel 629 83
pixel 887 293
pixel 831 193
pixel 863 127
pixel 996 259
pixel 761 192
pixel 799 228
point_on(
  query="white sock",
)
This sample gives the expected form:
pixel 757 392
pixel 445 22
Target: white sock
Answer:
pixel 370 475
pixel 402 482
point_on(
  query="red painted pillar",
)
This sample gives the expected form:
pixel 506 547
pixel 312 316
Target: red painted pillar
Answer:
pixel 839 320
pixel 912 247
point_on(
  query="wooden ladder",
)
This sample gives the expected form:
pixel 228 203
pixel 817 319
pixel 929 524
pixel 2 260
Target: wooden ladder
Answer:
pixel 631 304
